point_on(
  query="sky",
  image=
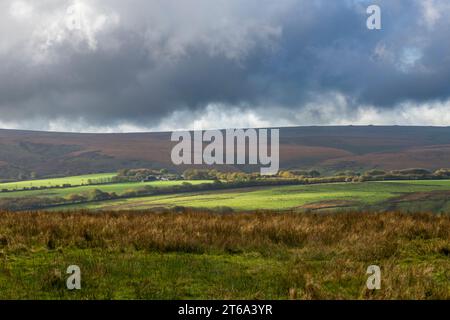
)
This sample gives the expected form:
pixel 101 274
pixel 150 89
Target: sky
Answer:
pixel 152 65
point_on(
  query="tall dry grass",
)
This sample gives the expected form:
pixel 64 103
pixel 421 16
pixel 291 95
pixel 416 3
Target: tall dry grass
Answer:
pixel 367 235
pixel 319 256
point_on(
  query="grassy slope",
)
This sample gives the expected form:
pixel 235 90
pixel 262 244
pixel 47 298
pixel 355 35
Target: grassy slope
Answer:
pixel 116 187
pixel 73 180
pixel 197 255
pixel 283 197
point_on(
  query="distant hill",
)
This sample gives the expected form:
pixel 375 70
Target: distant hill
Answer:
pixel 327 148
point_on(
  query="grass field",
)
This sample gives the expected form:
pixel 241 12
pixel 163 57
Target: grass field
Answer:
pixel 408 195
pixel 73 180
pixel 300 249
pixel 119 188
pixel 195 255
pixel 431 195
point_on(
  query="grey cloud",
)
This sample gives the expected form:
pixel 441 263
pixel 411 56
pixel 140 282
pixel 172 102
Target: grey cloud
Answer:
pixel 140 61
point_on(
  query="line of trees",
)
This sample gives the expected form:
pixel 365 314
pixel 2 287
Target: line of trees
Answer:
pixel 144 174
pixel 405 174
pixel 314 176
pixel 203 174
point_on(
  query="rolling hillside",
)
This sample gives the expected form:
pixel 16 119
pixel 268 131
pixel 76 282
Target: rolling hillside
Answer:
pixel 44 154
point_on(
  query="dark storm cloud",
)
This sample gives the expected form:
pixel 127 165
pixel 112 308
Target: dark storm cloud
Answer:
pixel 140 61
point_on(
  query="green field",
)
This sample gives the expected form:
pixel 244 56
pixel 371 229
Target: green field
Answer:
pixel 82 189
pixel 429 196
pixel 199 254
pixel 415 195
pixel 73 180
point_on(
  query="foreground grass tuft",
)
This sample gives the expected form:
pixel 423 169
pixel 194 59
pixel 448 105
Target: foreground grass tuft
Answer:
pixel 194 254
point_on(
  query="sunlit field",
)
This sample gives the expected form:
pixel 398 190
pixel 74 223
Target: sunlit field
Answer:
pixel 113 187
pixel 430 195
pixel 72 180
